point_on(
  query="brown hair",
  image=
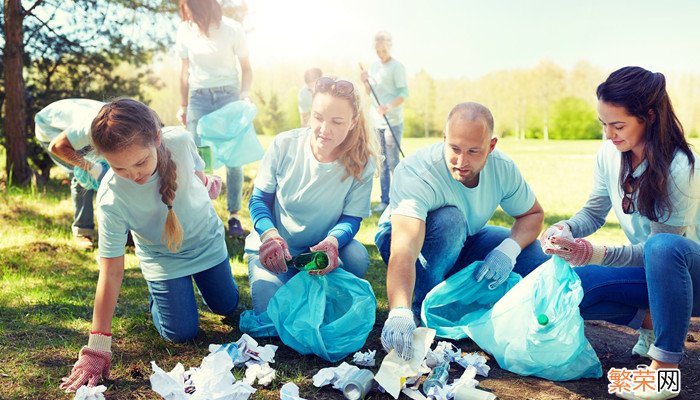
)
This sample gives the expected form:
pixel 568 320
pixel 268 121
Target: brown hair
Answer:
pixel 203 13
pixel 359 145
pixel 125 122
pixel 640 91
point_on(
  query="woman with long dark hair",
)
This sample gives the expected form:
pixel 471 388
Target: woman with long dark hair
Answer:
pixel 646 173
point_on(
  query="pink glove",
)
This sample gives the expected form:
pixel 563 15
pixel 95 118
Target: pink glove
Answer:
pixel 577 252
pixel 274 252
pixel 213 185
pixel 92 365
pixel 329 245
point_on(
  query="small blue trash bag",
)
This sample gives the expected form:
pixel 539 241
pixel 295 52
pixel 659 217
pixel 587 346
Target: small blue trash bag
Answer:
pixel 553 348
pixel 230 133
pixel 330 316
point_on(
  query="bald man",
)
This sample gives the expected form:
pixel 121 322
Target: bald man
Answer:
pixel 441 199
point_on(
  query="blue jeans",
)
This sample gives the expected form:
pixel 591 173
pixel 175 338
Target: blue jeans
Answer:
pixel 174 307
pixel 83 217
pixel 201 103
pixel 263 283
pixel 390 150
pixel 668 285
pixel 447 249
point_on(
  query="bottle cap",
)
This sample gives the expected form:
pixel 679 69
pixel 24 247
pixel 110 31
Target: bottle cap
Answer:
pixel 542 319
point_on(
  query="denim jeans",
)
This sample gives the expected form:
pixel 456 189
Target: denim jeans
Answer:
pixel 447 249
pixel 263 283
pixel 390 150
pixel 83 217
pixel 668 285
pixel 174 307
pixel 201 103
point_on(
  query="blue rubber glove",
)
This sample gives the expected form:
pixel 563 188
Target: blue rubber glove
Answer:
pixel 91 179
pixel 498 263
pixel 397 333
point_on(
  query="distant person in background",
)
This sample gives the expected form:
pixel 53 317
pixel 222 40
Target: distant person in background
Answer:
pixel 312 190
pixel 647 173
pixel 388 79
pixel 306 94
pixel 63 129
pixel 211 47
pixel 235 9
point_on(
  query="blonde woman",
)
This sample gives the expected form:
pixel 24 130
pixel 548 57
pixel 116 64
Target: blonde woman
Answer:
pixel 312 191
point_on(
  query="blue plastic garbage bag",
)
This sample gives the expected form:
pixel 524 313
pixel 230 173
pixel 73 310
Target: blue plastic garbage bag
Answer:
pixel 230 133
pixel 554 347
pixel 86 180
pixel 330 316
pixel 257 325
pixel 451 305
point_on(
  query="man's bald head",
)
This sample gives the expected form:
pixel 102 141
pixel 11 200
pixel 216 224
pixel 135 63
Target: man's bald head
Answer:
pixel 472 112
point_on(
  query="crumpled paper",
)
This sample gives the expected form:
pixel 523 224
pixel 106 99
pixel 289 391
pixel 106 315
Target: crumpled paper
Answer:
pixel 475 360
pixel 337 376
pixel 212 380
pixel 262 372
pixel 90 393
pixel 394 370
pixel 365 359
pixel 558 233
pixel 290 391
pixel 247 348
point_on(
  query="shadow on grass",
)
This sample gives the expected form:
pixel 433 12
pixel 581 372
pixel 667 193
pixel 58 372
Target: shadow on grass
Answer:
pixel 19 216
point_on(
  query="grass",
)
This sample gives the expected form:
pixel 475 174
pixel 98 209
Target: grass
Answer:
pixel 48 284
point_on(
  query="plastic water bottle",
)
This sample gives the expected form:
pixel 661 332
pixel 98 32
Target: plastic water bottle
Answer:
pixel 309 261
pixel 358 385
pixel 438 377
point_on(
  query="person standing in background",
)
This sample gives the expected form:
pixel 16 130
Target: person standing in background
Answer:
pixel 387 77
pixel 306 94
pixel 211 48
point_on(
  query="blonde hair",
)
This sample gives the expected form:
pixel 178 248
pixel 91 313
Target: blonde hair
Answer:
pixel 124 122
pixel 359 145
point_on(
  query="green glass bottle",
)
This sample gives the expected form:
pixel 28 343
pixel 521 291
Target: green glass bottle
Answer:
pixel 309 261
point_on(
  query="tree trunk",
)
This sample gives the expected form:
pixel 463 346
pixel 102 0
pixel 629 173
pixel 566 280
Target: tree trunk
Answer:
pixel 16 165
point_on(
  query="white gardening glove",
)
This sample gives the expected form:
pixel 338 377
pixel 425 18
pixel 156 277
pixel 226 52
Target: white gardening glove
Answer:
pixel 397 333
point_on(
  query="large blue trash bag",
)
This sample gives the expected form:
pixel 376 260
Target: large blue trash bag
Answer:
pixel 451 305
pixel 330 316
pixel 230 133
pixel 536 327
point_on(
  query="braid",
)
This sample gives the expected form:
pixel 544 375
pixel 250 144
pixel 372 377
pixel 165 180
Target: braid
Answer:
pixel 172 233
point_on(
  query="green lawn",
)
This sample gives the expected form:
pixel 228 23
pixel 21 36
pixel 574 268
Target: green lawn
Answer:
pixel 48 284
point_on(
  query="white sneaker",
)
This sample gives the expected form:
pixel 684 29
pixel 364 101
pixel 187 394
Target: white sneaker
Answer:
pixel 646 339
pixel 380 208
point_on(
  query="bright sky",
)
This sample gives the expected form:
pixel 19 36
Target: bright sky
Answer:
pixel 467 38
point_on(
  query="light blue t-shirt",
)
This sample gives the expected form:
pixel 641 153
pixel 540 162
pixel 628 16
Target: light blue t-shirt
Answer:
pixel 422 183
pixel 388 81
pixel 123 205
pixel 309 196
pixel 685 193
pixel 212 59
pixel 304 100
pixel 71 115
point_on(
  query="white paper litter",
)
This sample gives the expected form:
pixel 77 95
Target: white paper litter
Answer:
pixel 290 391
pixel 337 376
pixel 558 233
pixel 475 360
pixel 262 372
pixel 90 393
pixel 365 359
pixel 394 370
pixel 248 349
pixel 414 394
pixel 212 380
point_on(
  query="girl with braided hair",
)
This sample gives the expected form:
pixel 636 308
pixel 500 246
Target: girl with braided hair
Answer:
pixel 154 190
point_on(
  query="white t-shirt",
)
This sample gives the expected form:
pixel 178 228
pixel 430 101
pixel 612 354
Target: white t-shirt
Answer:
pixel 388 81
pixel 71 115
pixel 304 100
pixel 422 183
pixel 124 205
pixel 212 59
pixel 309 196
pixel 685 193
